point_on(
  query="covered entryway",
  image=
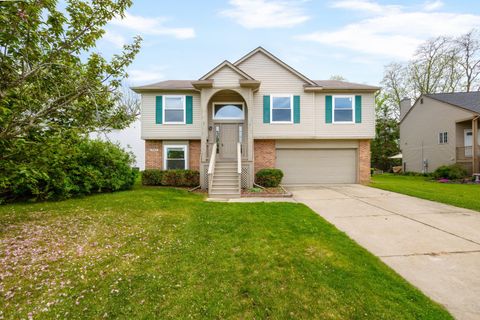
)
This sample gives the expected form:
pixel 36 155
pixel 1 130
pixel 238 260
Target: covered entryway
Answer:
pixel 317 166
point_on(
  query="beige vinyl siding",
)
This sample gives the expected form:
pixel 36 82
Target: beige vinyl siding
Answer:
pixel 419 131
pixel 275 79
pixel 226 77
pixel 151 130
pixel 363 130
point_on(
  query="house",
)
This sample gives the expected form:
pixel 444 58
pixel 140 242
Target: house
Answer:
pixel 259 113
pixel 440 129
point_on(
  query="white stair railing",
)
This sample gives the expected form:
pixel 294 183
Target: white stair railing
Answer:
pixel 211 167
pixel 239 164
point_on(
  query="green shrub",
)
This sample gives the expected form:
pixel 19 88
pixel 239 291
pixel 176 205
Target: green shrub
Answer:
pixel 269 177
pixel 152 177
pixel 452 172
pixel 64 167
pixel 171 178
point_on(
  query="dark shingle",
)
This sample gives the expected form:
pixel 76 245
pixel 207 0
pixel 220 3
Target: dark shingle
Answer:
pixel 466 100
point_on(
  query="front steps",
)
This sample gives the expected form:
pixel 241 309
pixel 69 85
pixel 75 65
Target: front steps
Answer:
pixel 226 181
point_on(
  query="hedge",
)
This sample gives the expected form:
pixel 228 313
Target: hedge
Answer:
pixel 269 177
pixel 171 178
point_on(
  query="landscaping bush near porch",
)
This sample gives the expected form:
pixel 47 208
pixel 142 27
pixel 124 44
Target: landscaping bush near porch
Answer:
pixel 171 178
pixel 452 172
pixel 269 177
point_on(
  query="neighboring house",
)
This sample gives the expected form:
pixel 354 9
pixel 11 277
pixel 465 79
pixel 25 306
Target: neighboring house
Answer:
pixel 259 113
pixel 440 129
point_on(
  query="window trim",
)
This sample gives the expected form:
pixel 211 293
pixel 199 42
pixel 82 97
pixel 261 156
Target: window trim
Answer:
pixel 165 152
pixel 353 109
pixel 291 108
pixel 441 137
pixel 165 108
pixel 229 119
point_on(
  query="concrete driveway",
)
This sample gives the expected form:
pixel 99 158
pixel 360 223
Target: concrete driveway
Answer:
pixel 436 247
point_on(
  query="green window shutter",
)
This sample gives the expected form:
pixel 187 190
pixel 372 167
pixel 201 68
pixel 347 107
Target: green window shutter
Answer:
pixel 189 109
pixel 158 109
pixel 266 109
pixel 296 109
pixel 328 109
pixel 358 109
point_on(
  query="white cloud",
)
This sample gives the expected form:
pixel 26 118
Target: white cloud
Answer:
pixel 116 39
pixel 154 26
pixel 365 5
pixel 433 5
pixel 254 14
pixel 143 76
pixel 394 34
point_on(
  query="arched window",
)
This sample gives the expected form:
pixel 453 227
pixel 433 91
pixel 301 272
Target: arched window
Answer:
pixel 228 111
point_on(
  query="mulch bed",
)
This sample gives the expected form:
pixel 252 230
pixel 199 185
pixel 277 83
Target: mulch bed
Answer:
pixel 277 192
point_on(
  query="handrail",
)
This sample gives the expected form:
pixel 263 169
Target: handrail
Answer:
pixel 239 158
pixel 211 166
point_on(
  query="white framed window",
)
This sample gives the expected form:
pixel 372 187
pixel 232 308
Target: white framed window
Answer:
pixel 174 109
pixel 228 111
pixel 175 157
pixel 343 109
pixel 443 137
pixel 281 108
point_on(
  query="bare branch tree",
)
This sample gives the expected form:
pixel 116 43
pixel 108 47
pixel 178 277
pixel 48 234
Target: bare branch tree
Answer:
pixel 468 46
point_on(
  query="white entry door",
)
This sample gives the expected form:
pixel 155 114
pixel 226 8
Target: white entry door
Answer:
pixel 468 142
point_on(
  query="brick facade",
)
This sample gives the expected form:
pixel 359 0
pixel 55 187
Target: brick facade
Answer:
pixel 364 161
pixel 194 155
pixel 153 154
pixel 264 154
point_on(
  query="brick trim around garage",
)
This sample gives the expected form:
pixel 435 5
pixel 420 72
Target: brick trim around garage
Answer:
pixel 364 161
pixel 264 154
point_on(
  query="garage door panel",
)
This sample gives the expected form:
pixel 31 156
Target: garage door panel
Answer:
pixel 316 166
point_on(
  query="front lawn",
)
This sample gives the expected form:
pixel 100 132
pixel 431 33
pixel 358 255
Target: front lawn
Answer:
pixel 460 195
pixel 166 254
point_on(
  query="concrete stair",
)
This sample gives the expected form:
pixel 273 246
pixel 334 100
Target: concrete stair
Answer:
pixel 226 182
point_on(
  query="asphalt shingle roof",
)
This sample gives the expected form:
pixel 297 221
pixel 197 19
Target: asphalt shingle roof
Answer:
pixel 466 100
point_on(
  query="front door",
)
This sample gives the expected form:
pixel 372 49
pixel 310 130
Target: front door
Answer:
pixel 468 143
pixel 228 138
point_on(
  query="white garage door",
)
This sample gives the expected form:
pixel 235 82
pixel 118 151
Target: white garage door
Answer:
pixel 315 166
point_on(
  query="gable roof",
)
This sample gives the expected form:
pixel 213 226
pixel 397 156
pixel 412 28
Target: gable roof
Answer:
pixel 465 100
pixel 277 60
pixel 227 64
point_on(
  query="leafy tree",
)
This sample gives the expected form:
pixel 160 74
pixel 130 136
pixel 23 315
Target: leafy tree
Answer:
pixel 387 134
pixel 52 79
pixel 338 77
pixel 55 89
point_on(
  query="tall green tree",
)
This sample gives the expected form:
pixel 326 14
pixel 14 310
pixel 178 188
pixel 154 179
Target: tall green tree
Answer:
pixel 52 78
pixel 387 134
pixel 55 89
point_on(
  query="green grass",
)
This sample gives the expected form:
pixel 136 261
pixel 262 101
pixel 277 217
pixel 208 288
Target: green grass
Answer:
pixel 167 254
pixel 460 195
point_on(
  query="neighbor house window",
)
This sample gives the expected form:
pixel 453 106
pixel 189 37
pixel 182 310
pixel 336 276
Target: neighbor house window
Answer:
pixel 174 110
pixel 343 109
pixel 228 111
pixel 281 108
pixel 175 157
pixel 443 137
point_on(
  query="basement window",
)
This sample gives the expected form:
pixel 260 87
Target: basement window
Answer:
pixel 175 157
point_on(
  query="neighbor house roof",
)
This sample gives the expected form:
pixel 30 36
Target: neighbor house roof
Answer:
pixel 466 100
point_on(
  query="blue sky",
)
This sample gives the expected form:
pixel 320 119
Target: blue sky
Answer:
pixel 352 38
